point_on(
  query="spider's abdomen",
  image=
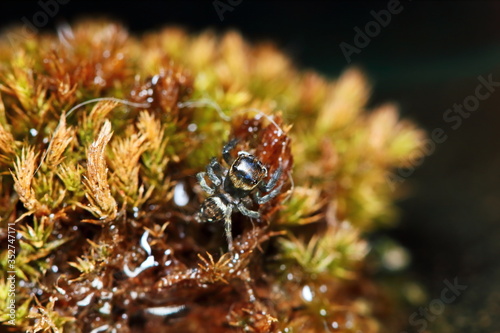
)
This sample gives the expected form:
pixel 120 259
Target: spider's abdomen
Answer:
pixel 213 209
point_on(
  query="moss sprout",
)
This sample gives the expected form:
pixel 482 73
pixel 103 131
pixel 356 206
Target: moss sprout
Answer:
pixel 101 136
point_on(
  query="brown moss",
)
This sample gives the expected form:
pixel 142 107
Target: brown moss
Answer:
pixel 101 136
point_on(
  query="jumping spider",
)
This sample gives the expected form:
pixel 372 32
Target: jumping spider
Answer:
pixel 234 188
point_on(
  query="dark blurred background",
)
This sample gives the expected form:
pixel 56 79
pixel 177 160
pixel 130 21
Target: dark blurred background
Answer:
pixel 426 59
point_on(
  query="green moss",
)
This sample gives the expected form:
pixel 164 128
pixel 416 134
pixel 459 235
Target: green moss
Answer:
pixel 101 137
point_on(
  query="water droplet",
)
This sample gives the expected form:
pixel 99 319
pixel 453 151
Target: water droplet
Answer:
pixel 149 262
pixel 99 81
pixel 99 329
pixel 192 127
pixel 97 283
pixel 307 294
pixel 106 295
pixel 136 212
pixel 105 309
pixel 181 197
pixel 144 242
pixel 33 132
pixel 396 258
pixel 165 311
pixel 86 301
pixel 154 79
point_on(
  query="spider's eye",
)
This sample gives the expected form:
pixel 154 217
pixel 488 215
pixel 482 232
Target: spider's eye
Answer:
pixel 247 172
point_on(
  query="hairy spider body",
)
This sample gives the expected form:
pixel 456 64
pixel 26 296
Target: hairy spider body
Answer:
pixel 236 188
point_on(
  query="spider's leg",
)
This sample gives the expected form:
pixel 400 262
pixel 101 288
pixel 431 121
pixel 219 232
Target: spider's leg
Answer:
pixel 213 170
pixel 228 227
pixel 247 212
pixel 203 183
pixel 261 200
pixel 226 151
pixel 272 182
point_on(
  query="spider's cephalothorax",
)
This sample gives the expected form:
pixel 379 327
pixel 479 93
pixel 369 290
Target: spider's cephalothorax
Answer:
pixel 235 188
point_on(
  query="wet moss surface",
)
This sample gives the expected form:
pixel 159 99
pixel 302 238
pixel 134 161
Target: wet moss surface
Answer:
pixel 101 137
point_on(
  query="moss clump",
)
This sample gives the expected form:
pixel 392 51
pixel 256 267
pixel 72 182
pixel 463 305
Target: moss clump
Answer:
pixel 101 135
